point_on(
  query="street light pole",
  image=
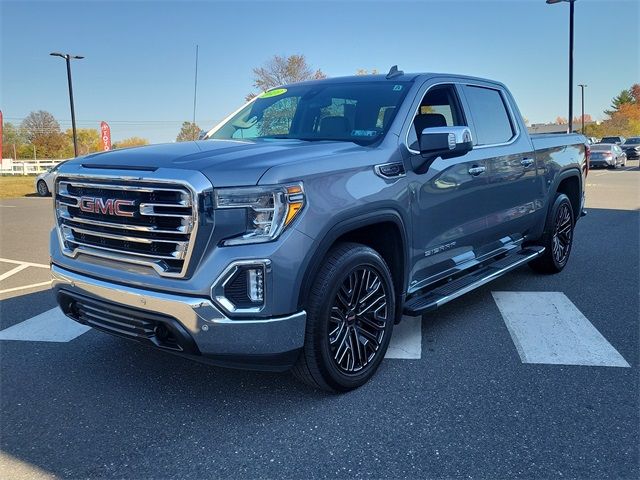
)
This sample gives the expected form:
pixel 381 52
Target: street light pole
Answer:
pixel 68 58
pixel 571 14
pixel 582 87
pixel 571 7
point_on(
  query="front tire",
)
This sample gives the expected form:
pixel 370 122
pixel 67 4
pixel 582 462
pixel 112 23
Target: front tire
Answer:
pixel 557 237
pixel 350 317
pixel 42 188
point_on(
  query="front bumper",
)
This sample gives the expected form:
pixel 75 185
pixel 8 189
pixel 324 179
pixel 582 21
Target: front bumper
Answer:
pixel 189 326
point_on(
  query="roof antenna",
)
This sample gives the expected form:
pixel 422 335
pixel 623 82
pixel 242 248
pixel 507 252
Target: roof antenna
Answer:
pixel 394 72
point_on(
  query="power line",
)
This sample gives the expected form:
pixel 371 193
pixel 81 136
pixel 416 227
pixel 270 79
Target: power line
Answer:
pixel 137 122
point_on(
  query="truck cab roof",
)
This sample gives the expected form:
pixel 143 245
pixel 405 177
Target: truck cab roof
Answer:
pixel 401 77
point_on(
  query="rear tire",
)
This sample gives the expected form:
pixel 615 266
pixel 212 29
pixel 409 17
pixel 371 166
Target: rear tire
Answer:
pixel 42 188
pixel 350 317
pixel 557 237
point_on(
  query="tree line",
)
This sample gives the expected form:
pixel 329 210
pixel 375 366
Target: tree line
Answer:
pixel 39 136
pixel 623 117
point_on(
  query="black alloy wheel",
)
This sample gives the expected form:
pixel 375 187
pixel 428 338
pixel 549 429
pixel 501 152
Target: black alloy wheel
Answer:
pixel 563 234
pixel 358 319
pixel 351 310
pixel 557 238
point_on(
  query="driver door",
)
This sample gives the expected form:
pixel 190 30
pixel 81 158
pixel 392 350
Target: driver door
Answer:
pixel 448 207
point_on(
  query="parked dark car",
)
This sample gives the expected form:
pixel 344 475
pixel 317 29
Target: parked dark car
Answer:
pixel 607 155
pixel 616 140
pixel 632 147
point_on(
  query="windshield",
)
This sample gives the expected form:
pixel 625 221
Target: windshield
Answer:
pixel 632 141
pixel 602 148
pixel 359 112
pixel 610 139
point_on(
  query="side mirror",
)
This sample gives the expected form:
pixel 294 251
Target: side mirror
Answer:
pixel 445 142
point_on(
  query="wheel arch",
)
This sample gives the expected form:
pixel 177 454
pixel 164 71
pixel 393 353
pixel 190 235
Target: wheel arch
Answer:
pixel 570 183
pixel 364 228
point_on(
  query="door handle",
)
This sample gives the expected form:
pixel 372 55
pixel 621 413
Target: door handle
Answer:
pixel 475 170
pixel 526 162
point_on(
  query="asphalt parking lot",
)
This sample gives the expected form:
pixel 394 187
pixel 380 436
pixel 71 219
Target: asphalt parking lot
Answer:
pixel 468 406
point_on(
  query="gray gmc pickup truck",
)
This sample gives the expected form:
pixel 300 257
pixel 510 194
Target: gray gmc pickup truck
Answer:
pixel 302 227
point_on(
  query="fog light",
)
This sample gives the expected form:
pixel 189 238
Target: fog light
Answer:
pixel 255 284
pixel 241 287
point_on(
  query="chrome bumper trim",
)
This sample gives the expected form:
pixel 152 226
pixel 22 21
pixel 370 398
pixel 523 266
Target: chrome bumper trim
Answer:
pixel 213 332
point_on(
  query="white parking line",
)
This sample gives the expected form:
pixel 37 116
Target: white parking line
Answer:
pixel 406 341
pixel 50 326
pixel 13 271
pixel 547 328
pixel 25 287
pixel 28 264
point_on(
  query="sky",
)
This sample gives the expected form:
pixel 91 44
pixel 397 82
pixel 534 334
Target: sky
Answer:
pixel 138 74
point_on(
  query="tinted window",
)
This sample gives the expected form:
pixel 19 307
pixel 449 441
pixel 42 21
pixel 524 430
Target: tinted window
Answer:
pixel 490 116
pixel 632 141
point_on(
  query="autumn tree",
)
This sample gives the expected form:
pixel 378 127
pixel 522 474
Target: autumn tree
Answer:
pixel 189 131
pixel 88 141
pixel 42 131
pixel 623 98
pixel 560 121
pixel 131 142
pixel 624 119
pixel 281 71
pixel 12 138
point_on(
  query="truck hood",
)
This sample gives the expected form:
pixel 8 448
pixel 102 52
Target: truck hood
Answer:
pixel 224 162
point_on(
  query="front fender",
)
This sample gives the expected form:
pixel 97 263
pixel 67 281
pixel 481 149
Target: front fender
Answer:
pixel 349 221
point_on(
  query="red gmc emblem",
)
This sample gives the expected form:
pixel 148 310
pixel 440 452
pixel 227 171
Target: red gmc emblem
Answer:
pixel 106 206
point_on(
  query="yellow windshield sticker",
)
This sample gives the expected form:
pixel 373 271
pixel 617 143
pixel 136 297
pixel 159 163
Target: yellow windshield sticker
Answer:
pixel 273 93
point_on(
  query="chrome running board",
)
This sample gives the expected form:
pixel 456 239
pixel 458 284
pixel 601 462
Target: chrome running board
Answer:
pixel 432 299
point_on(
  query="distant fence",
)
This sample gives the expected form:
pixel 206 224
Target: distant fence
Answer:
pixel 10 166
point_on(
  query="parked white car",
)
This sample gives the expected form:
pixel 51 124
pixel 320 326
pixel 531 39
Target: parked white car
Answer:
pixel 44 181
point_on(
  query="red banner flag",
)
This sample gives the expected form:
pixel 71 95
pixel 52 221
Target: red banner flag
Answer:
pixel 105 136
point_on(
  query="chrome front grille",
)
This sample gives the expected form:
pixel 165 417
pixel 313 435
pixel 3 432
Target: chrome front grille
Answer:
pixel 143 222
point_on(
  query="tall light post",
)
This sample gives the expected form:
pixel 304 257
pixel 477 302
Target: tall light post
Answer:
pixel 582 87
pixel 68 58
pixel 571 9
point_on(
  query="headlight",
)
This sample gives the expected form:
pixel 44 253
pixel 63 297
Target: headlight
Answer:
pixel 269 209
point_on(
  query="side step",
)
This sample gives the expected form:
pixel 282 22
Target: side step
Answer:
pixel 432 299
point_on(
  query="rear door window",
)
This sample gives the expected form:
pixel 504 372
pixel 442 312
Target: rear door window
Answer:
pixel 491 118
